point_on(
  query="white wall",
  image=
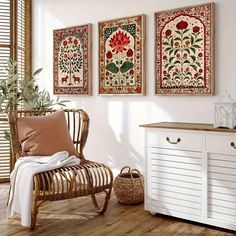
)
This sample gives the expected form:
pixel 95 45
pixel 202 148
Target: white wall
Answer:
pixel 115 137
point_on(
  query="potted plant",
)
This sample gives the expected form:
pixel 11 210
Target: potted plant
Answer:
pixel 25 92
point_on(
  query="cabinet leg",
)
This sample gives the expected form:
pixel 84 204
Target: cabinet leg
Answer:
pixel 153 212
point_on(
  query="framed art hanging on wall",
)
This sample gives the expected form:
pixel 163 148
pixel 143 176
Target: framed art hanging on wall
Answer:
pixel 184 51
pixel 121 56
pixel 72 60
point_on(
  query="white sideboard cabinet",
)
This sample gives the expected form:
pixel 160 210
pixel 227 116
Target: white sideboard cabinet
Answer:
pixel 191 172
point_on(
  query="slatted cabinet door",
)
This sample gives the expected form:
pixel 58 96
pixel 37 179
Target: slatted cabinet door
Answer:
pixel 222 188
pixel 175 181
pixel 221 177
pixel 174 173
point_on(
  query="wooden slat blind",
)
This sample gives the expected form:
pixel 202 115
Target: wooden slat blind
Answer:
pixel 5 53
pixel 21 38
pixel 4 151
pixel 4 35
pixel 15 42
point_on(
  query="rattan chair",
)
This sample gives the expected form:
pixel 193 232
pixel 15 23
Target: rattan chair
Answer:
pixel 87 178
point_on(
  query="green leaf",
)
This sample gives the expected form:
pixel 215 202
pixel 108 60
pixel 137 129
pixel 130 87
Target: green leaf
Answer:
pixel 185 31
pixel 175 52
pixel 193 49
pixel 172 42
pixel 7 135
pixel 65 101
pixel 177 62
pixel 171 59
pixel 177 38
pixel 192 39
pixel 37 71
pixel 200 78
pixel 186 37
pixel 193 58
pixel 14 78
pixel 4 87
pixel 2 99
pixel 61 104
pixel 166 44
pixel 196 46
pixel 167 49
pixel 198 63
pixel 112 68
pixel 198 40
pixel 178 32
pixel 11 63
pixel 127 65
pixel 187 50
pixel 166 65
pixel 165 78
pixel 194 67
pixel 170 52
pixel 170 68
pixel 186 61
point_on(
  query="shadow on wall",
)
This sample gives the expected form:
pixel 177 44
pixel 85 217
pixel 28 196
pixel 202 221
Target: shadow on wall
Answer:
pixel 115 136
pixel 124 154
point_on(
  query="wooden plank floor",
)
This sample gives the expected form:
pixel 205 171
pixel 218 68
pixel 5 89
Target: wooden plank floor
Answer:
pixel 77 217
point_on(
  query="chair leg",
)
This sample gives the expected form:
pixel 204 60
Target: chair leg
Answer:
pixel 93 175
pixel 34 215
pixel 103 208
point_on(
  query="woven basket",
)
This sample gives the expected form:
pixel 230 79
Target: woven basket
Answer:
pixel 128 186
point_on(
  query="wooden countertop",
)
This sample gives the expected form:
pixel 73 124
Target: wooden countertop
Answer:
pixel 187 126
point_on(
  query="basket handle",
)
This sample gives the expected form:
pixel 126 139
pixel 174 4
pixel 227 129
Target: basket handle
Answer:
pixel 132 179
pixel 125 167
pixel 135 170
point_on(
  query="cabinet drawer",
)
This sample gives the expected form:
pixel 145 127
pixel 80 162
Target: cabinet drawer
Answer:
pixel 221 143
pixel 174 139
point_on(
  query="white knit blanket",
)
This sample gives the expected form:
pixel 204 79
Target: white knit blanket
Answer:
pixel 20 199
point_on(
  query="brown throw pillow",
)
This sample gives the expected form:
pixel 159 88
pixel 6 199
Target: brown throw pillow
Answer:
pixel 45 135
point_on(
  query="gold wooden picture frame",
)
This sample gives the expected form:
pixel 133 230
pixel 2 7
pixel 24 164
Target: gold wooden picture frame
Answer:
pixel 72 60
pixel 121 56
pixel 184 51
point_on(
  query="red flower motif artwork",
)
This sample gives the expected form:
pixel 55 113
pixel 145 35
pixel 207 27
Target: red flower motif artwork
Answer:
pixel 196 29
pixel 185 51
pixel 130 53
pixel 121 56
pixel 109 55
pixel 119 42
pixel 75 42
pixel 72 60
pixel 168 33
pixel 182 25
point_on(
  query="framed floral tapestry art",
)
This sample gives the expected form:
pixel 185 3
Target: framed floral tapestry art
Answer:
pixel 121 56
pixel 184 51
pixel 72 58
